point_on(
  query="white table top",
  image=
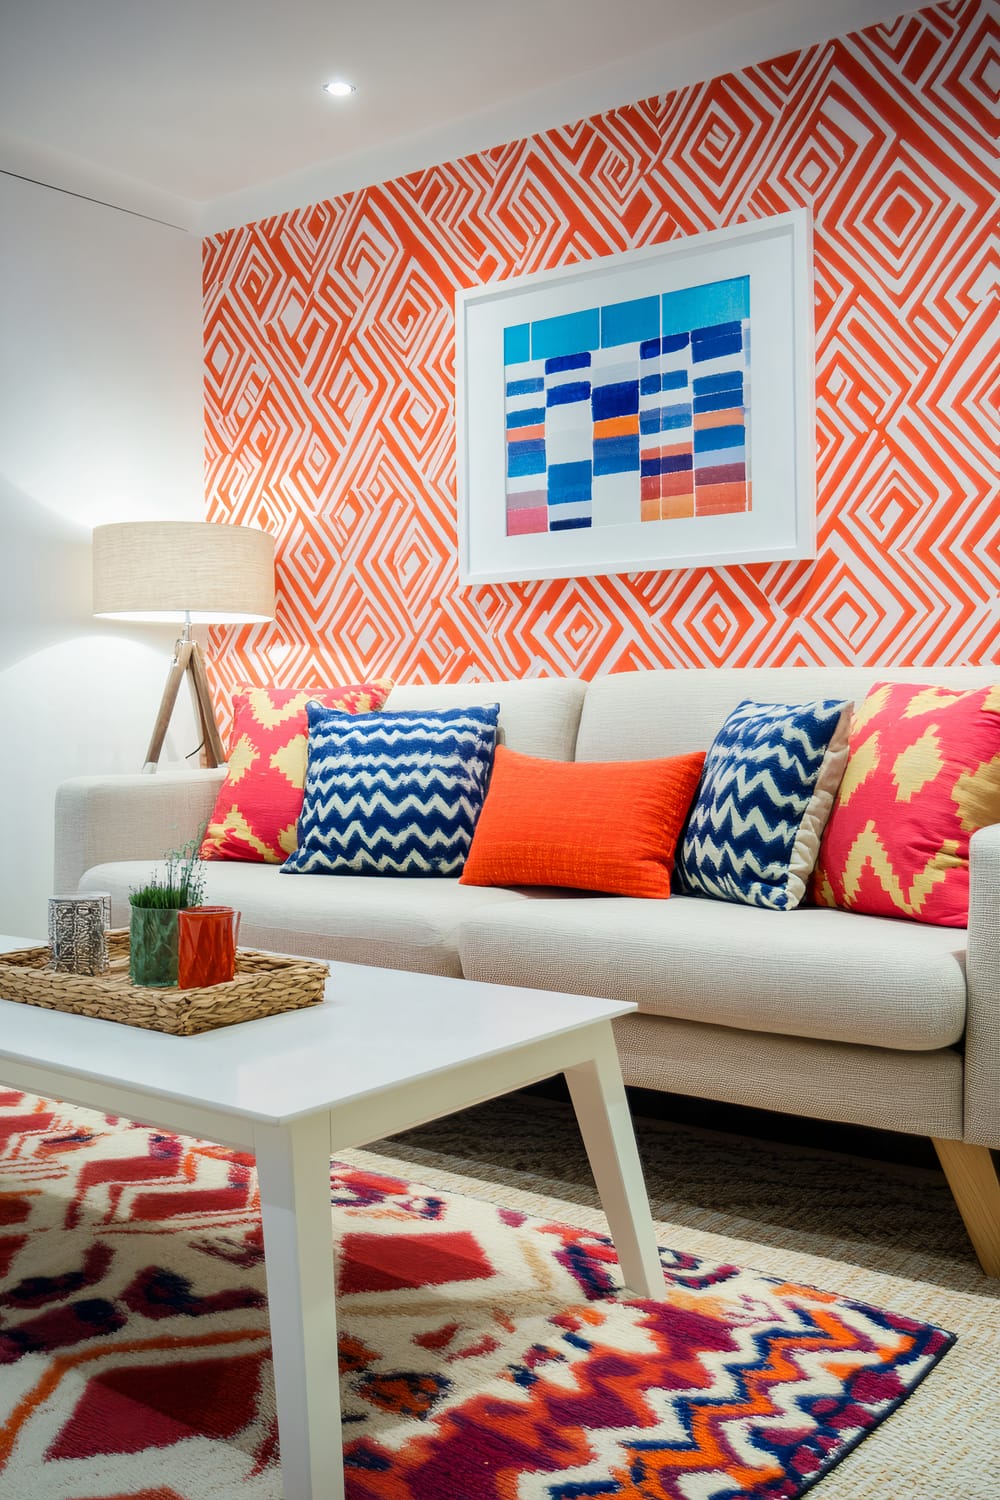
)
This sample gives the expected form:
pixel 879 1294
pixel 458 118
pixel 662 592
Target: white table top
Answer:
pixel 376 1029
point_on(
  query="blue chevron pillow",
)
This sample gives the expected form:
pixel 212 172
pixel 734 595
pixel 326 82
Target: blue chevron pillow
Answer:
pixel 393 793
pixel 765 794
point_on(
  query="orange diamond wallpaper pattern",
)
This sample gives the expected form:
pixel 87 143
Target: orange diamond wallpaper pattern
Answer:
pixel 329 375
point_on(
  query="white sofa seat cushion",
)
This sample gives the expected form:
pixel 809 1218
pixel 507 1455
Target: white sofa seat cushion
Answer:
pixel 394 924
pixel 832 975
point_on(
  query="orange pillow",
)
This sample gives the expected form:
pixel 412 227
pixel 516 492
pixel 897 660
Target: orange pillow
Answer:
pixel 256 813
pixel 589 825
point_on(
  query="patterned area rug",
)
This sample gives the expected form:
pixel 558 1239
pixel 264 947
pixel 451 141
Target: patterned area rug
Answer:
pixel 485 1354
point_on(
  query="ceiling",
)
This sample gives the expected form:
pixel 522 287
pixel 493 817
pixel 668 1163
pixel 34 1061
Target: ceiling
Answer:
pixel 208 113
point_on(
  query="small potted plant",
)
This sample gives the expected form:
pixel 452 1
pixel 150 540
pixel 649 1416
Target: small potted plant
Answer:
pixel 153 916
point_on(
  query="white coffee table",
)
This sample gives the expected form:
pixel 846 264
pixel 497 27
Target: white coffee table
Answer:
pixel 385 1050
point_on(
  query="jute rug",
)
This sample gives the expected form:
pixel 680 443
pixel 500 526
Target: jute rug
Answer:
pixel 486 1354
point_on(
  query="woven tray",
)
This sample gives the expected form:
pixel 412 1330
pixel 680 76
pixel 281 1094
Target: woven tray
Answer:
pixel 265 984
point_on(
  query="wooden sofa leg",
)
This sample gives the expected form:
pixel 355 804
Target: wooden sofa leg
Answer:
pixel 975 1187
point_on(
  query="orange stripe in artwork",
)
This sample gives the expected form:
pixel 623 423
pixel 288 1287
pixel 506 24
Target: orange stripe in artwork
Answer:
pixel 522 434
pixel 677 507
pixel 616 426
pixel 679 483
pixel 674 450
pixel 732 417
pixel 649 510
pixel 649 486
pixel 721 499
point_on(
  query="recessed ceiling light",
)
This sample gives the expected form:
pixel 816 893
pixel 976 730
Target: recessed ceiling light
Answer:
pixel 339 88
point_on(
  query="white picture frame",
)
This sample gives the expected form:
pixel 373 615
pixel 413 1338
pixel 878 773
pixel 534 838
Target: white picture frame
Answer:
pixel 763 270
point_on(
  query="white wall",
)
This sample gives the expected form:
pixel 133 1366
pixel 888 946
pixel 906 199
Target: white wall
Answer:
pixel 100 420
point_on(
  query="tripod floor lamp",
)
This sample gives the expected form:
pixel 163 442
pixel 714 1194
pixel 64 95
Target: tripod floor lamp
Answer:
pixel 199 572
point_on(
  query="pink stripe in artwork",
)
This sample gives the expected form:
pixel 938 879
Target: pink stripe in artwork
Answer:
pixel 527 522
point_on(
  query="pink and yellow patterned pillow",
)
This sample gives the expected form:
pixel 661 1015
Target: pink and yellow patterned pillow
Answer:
pixel 256 814
pixel 923 773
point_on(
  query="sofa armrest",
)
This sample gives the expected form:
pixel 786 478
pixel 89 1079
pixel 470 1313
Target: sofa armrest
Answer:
pixel 104 818
pixel 982 1032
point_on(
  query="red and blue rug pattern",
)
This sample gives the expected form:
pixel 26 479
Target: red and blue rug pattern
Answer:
pixel 485 1355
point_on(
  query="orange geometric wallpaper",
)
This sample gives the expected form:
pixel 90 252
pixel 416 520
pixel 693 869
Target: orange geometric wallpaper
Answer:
pixel 330 363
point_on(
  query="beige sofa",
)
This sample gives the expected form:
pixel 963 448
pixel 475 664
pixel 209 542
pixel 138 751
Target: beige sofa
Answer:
pixel 878 1022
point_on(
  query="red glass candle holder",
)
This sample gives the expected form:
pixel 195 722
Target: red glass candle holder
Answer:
pixel 206 945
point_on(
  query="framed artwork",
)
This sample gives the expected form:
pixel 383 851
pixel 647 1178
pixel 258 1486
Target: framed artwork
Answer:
pixel 649 410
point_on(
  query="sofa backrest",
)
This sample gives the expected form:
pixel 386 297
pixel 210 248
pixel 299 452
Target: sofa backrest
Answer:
pixel 640 715
pixel 538 716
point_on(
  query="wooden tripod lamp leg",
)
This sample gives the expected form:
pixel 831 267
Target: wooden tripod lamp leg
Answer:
pixel 188 658
pixel 213 751
pixel 179 665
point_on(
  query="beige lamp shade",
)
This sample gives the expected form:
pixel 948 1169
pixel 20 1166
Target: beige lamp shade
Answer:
pixel 166 570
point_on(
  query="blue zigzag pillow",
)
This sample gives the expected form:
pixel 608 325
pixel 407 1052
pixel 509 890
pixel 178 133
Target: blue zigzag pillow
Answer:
pixel 393 793
pixel 765 794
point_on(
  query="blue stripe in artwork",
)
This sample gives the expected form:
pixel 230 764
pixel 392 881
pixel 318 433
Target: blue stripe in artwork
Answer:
pixel 563 395
pixel 621 400
pixel 616 455
pixel 568 334
pixel 670 380
pixel 569 484
pixel 713 458
pixel 525 458
pixel 629 322
pixel 702 306
pixel 651 420
pixel 649 348
pixel 574 523
pixel 673 343
pixel 717 331
pixel 578 361
pixel 725 380
pixel 525 387
pixel 710 438
pixel 517 344
pixel 530 416
pixel 680 419
pixel 719 401
pixel 648 466
pixel 677 463
pixel 680 410
pixel 704 348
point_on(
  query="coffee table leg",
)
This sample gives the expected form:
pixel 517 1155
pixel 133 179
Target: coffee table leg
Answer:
pixel 605 1121
pixel 293 1168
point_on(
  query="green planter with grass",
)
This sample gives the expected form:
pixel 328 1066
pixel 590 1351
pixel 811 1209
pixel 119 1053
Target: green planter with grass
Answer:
pixel 153 917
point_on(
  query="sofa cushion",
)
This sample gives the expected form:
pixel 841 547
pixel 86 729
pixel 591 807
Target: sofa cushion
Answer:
pixel 256 812
pixel 643 715
pixel 413 925
pixel 812 972
pixel 592 827
pixel 393 793
pixel 923 774
pixel 538 716
pixel 765 794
